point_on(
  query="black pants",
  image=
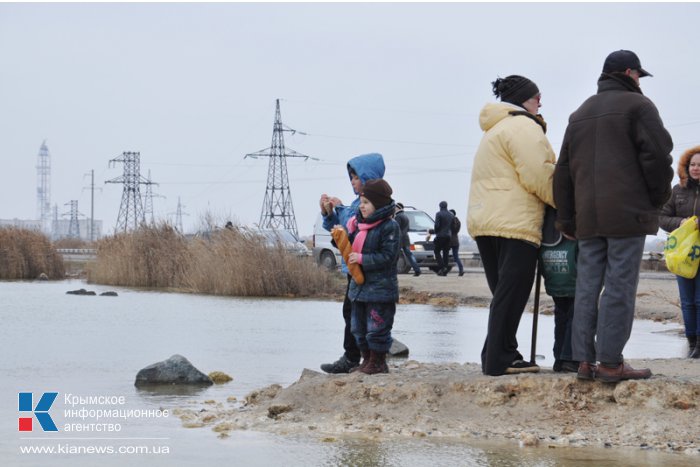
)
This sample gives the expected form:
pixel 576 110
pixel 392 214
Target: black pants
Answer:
pixel 563 317
pixel 352 351
pixel 510 272
pixel 442 251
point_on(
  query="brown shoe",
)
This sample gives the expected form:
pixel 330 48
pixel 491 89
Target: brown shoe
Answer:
pixel 586 370
pixel 621 372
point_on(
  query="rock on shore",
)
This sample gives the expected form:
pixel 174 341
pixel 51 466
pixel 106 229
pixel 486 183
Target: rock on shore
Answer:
pixel 457 401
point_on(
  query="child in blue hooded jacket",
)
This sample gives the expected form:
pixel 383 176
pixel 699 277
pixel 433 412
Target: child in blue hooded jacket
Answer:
pixel 360 169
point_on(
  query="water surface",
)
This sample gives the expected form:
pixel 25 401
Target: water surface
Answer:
pixel 92 346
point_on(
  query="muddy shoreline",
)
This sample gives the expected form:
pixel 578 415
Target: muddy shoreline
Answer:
pixel 456 401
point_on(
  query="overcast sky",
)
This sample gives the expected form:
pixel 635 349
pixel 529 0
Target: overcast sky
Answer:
pixel 193 88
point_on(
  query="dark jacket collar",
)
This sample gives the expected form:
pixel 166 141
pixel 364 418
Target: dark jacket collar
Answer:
pixel 381 213
pixel 617 82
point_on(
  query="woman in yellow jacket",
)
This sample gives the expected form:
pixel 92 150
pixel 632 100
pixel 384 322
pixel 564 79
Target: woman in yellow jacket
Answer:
pixel 511 183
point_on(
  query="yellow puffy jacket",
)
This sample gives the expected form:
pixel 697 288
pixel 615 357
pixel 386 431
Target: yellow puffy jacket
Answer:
pixel 511 176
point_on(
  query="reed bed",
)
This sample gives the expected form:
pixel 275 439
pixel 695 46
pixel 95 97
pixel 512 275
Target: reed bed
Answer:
pixel 230 262
pixel 26 254
pixel 151 257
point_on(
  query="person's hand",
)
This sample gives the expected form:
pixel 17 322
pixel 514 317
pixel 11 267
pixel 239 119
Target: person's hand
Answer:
pixel 353 258
pixel 324 203
pixel 335 201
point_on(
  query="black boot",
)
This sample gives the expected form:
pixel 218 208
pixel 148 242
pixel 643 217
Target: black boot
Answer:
pixel 342 365
pixel 696 351
pixel 692 340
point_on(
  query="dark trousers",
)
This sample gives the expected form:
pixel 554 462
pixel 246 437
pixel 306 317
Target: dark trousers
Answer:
pixel 352 352
pixel 455 257
pixel 510 272
pixel 689 290
pixel 408 254
pixel 442 251
pixel 372 323
pixel 563 317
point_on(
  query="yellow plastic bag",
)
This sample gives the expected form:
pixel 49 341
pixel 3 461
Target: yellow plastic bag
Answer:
pixel 682 250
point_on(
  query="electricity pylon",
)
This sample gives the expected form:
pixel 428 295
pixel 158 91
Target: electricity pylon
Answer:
pixel 277 210
pixel 74 225
pixel 131 212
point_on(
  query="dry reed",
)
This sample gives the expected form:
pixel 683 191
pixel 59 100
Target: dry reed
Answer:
pixel 225 262
pixel 26 254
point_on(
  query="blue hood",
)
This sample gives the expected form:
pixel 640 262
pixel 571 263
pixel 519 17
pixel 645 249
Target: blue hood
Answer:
pixel 367 166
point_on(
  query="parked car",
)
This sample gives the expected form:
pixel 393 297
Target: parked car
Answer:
pixel 419 223
pixel 286 238
pixel 323 251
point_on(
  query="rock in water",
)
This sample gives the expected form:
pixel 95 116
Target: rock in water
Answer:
pixel 398 349
pixel 81 292
pixel 108 294
pixel 175 370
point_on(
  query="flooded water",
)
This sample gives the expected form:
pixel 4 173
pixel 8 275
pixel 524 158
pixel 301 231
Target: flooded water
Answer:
pixel 88 349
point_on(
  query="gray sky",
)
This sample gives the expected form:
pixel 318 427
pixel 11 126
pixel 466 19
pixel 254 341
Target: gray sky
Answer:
pixel 193 88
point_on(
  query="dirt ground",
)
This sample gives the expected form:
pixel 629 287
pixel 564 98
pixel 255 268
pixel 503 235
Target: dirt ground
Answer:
pixel 455 400
pixel 657 294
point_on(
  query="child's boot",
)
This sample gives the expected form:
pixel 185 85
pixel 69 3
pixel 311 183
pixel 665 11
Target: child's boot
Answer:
pixel 365 360
pixel 377 363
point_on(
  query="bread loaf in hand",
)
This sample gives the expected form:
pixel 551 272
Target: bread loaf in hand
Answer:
pixel 343 243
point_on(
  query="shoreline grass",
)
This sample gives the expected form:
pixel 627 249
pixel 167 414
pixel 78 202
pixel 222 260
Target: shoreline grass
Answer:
pixel 228 262
pixel 26 254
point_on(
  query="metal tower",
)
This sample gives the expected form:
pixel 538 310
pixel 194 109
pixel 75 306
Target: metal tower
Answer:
pixel 148 201
pixel 277 210
pixel 178 216
pixel 43 187
pixel 131 212
pixel 74 225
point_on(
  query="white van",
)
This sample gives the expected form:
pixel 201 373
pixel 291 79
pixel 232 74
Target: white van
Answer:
pixel 419 223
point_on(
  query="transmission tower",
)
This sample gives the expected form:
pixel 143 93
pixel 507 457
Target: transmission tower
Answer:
pixel 148 201
pixel 178 216
pixel 277 210
pixel 131 212
pixel 43 188
pixel 74 225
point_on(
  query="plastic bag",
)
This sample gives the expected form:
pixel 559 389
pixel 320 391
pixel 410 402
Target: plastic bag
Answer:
pixel 682 250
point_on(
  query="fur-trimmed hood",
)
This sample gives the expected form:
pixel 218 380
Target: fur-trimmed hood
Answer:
pixel 684 163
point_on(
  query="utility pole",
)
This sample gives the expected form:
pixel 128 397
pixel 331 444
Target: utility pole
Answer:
pixel 278 210
pixel 54 226
pixel 131 214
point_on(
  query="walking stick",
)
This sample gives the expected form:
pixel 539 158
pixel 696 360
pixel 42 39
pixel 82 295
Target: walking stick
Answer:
pixel 535 313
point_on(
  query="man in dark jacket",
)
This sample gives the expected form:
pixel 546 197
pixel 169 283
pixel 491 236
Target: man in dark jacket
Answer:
pixel 612 177
pixel 454 241
pixel 443 235
pixel 402 219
